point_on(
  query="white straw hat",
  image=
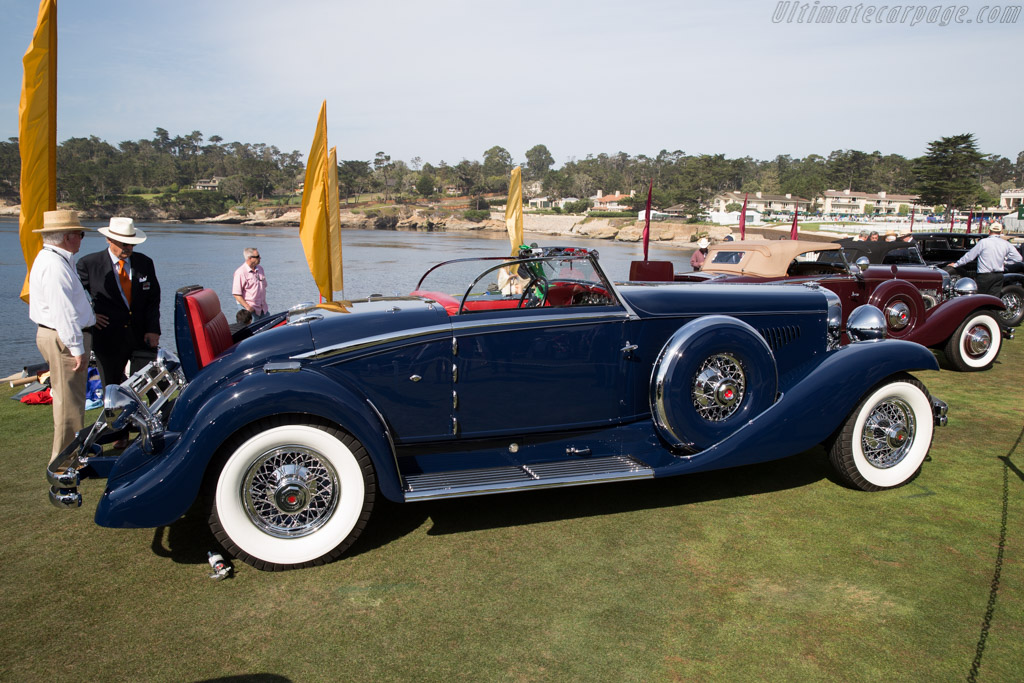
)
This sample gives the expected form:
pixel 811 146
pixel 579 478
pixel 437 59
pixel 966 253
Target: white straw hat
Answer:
pixel 123 230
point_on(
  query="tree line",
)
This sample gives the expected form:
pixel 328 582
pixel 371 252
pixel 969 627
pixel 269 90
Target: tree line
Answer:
pixel 156 177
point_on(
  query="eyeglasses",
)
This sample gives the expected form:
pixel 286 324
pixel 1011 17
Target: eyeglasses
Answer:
pixel 257 257
pixel 80 234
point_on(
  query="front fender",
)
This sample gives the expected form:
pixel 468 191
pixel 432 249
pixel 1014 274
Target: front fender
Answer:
pixel 813 408
pixel 155 491
pixel 943 320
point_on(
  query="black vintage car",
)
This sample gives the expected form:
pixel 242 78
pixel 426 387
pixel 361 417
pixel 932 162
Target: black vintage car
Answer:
pixel 941 248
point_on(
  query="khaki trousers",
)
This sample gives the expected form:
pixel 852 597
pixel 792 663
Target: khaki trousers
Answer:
pixel 67 387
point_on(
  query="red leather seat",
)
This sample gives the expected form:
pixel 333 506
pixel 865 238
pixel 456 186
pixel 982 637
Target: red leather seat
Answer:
pixel 211 334
pixel 651 271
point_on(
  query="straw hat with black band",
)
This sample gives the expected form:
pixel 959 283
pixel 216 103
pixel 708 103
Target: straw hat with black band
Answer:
pixel 60 221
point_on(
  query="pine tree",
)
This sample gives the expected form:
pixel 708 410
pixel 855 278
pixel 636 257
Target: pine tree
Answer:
pixel 948 173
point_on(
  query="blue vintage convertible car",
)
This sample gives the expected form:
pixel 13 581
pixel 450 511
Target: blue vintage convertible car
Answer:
pixel 495 375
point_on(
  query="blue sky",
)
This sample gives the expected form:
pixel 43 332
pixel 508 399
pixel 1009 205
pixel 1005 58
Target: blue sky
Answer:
pixel 448 79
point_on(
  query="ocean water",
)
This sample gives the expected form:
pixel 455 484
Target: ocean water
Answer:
pixel 375 262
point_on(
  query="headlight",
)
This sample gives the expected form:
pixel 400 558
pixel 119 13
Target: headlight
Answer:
pixel 965 286
pixel 866 323
pixel 834 320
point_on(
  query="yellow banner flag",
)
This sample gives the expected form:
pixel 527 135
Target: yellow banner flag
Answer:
pixel 37 134
pixel 514 210
pixel 313 227
pixel 334 225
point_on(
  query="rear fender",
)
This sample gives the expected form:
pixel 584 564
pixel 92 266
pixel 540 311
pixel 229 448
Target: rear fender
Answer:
pixel 161 489
pixel 943 320
pixel 810 411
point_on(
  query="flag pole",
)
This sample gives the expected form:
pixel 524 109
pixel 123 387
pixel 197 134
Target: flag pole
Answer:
pixel 743 218
pixel 647 218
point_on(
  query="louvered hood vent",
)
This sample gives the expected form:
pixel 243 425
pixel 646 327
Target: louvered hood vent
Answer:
pixel 777 337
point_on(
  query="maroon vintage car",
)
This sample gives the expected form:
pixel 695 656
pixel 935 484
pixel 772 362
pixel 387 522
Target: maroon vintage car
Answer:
pixel 918 302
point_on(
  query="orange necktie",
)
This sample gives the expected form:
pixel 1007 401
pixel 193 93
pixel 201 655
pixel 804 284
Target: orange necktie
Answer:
pixel 125 280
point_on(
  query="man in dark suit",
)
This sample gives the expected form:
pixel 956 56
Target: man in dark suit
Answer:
pixel 125 296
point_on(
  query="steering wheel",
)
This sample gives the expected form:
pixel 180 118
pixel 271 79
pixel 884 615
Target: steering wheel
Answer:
pixel 535 293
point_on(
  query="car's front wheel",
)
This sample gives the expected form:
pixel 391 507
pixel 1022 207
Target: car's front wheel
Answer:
pixel 883 442
pixel 976 343
pixel 1013 299
pixel 292 495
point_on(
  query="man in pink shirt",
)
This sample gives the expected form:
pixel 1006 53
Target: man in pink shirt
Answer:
pixel 249 285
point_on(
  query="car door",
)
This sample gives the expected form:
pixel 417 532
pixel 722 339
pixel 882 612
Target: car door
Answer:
pixel 540 369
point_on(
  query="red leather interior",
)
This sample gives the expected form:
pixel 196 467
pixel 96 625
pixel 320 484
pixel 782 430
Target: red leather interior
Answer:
pixel 651 271
pixel 451 304
pixel 210 331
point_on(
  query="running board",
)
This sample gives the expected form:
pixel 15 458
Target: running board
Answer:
pixel 490 480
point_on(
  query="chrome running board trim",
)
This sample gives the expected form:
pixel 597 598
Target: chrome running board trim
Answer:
pixel 492 480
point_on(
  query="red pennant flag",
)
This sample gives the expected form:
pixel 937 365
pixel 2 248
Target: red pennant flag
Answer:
pixel 793 230
pixel 647 218
pixel 743 218
pixel 951 212
pixel 970 217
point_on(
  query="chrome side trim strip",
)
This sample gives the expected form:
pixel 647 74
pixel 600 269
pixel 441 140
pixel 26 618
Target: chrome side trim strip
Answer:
pixel 391 442
pixel 539 321
pixel 378 340
pixel 460 326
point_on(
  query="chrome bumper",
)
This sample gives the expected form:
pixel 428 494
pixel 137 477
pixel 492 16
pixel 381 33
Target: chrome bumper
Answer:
pixel 1008 332
pixel 939 410
pixel 124 405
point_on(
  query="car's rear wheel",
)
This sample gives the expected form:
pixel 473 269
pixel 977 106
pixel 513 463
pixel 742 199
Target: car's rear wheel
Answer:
pixel 1013 299
pixel 883 442
pixel 976 343
pixel 292 495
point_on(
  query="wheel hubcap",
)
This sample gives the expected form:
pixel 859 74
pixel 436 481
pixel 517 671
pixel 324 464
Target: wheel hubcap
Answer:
pixel 897 315
pixel 888 433
pixel 978 340
pixel 291 491
pixel 718 387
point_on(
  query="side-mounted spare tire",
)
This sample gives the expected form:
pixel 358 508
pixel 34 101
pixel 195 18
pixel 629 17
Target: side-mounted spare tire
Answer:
pixel 902 305
pixel 711 377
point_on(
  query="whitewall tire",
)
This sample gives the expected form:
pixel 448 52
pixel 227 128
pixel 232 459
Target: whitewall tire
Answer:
pixel 976 343
pixel 292 495
pixel 887 436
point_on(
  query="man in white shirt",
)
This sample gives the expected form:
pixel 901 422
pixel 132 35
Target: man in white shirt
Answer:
pixel 992 253
pixel 60 307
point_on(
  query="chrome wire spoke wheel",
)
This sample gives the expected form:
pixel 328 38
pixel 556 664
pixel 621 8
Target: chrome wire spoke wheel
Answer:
pixel 888 433
pixel 887 436
pixel 290 492
pixel 1014 303
pixel 718 387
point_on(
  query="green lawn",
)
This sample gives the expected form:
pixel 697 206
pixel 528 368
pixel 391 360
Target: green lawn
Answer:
pixel 769 572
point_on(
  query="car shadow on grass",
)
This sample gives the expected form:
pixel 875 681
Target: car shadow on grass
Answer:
pixel 188 540
pixel 534 507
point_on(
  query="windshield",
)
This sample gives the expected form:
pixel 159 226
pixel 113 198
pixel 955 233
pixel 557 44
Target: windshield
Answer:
pixel 555 277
